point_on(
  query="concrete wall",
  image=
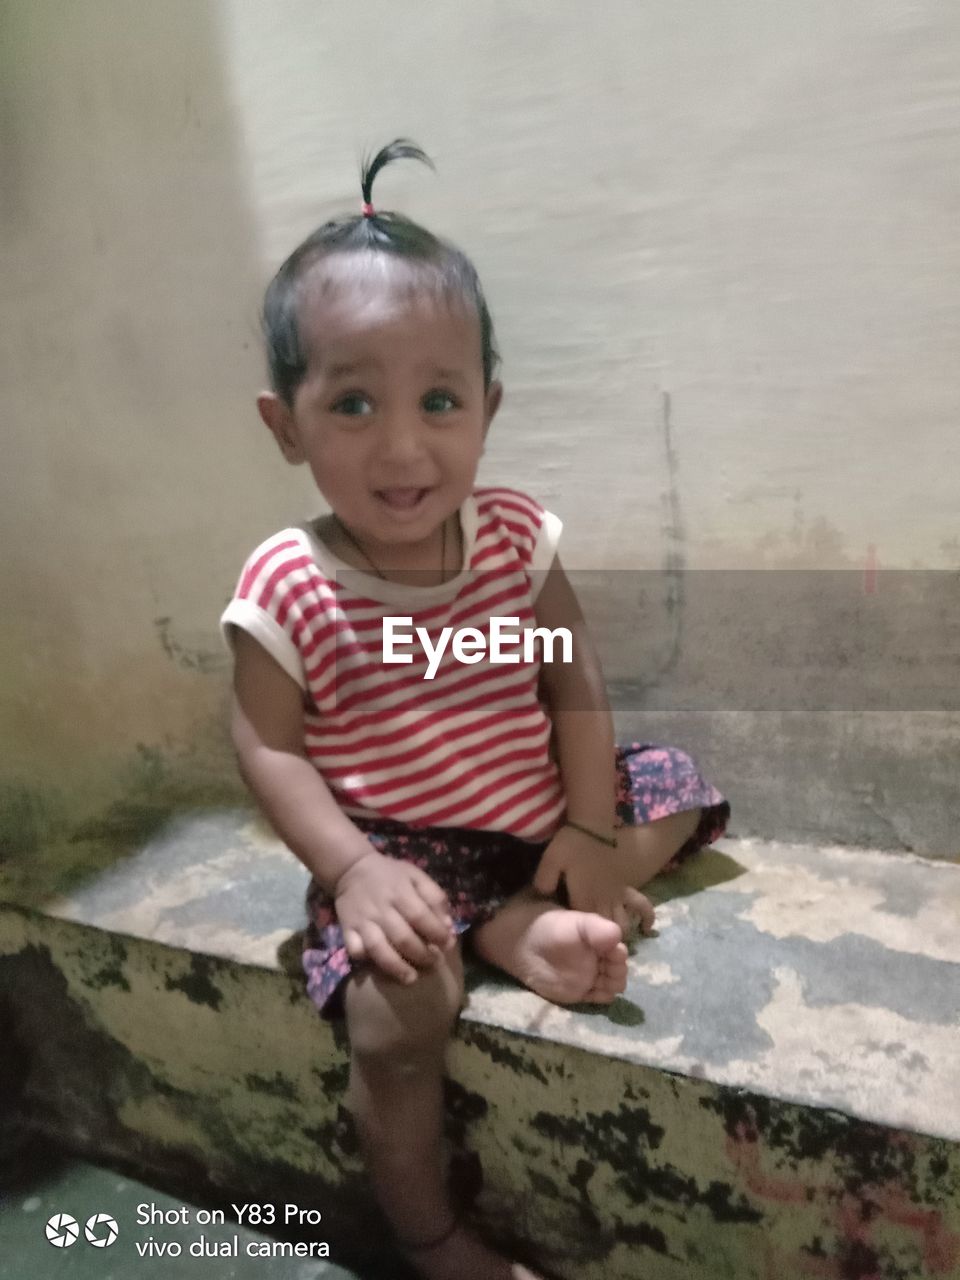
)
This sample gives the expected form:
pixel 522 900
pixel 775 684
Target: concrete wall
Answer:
pixel 198 1072
pixel 720 247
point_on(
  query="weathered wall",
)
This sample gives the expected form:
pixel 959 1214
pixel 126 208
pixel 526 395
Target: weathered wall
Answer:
pixel 720 246
pixel 190 1066
pixel 130 275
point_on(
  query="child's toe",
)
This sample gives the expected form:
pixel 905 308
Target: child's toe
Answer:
pixel 600 934
pixel 604 991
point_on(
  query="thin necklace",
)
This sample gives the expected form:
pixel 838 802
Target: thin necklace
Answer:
pixel 379 572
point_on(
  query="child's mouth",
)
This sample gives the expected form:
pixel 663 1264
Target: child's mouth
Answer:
pixel 404 499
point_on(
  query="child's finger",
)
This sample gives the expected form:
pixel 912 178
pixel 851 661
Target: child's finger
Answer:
pixel 381 953
pixel 619 917
pixel 430 892
pixel 431 926
pixel 406 942
pixel 354 945
pixel 640 906
pixel 547 878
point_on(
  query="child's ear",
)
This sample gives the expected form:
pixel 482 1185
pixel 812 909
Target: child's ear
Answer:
pixel 278 418
pixel 493 398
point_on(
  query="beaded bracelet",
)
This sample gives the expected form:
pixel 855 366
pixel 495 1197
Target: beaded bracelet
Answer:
pixel 609 841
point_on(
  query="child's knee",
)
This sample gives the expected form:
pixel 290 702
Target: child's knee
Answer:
pixel 391 1022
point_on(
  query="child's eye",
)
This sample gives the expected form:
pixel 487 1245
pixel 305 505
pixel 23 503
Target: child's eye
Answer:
pixel 352 405
pixel 440 402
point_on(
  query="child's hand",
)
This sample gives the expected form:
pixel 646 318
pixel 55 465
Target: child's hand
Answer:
pixel 393 915
pixel 594 878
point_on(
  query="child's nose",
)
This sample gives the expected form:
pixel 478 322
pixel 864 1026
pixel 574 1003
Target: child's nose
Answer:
pixel 402 440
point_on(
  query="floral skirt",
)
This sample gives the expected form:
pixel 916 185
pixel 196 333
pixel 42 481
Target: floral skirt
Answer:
pixel 479 870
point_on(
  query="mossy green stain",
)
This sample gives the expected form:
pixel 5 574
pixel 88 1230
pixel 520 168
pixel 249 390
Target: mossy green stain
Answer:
pixel 54 844
pixel 276 1087
pixel 580 1178
pixel 543 1185
pixel 167 1090
pixel 525 1148
pixel 864 1154
pixel 198 985
pixel 580 1181
pixel 501 1053
pixel 641 1233
pixel 461 1109
pixel 26 820
pixel 858 1261
pixel 462 1103
pixel 719 1198
pixel 111 974
pixel 51 1027
pixel 633 1125
pixel 939 1166
pixel 334 1079
pixel 125 822
pixel 622 1139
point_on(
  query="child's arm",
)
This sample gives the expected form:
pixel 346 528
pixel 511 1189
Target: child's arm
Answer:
pixel 583 727
pixel 391 912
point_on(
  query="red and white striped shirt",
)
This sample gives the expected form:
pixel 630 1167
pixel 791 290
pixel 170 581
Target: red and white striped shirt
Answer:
pixel 469 748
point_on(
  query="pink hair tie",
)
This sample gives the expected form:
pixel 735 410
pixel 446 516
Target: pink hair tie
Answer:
pixel 367 210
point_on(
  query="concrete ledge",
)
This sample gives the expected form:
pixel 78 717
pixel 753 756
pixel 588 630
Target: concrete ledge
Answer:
pixel 776 1094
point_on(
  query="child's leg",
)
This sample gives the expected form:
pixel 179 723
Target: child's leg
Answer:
pixel 662 801
pixel 645 850
pixel 398 1037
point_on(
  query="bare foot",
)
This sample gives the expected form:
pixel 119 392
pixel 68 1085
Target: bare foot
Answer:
pixel 569 957
pixel 462 1256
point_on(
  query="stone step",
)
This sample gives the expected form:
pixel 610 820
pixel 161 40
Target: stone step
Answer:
pixel 777 1093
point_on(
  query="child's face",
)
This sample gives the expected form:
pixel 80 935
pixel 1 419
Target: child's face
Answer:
pixel 392 414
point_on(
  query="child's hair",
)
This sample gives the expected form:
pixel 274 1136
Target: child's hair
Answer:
pixel 368 231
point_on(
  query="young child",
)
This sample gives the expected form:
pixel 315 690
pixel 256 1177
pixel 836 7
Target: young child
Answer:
pixel 490 798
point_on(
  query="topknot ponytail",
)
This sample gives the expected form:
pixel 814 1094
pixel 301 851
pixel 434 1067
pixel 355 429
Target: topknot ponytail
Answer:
pixel 368 231
pixel 399 149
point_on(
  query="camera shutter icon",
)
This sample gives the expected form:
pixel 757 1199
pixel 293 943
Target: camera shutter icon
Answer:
pixel 101 1230
pixel 62 1230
